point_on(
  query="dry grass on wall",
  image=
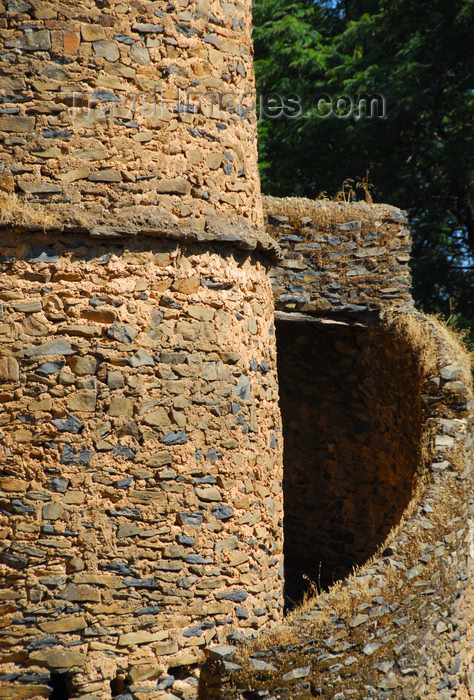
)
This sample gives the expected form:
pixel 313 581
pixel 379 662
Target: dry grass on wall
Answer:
pixel 456 341
pixel 17 211
pixel 435 343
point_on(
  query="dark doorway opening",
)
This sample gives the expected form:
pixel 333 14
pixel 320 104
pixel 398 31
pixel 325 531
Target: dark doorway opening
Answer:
pixel 59 682
pixel 117 686
pixel 351 410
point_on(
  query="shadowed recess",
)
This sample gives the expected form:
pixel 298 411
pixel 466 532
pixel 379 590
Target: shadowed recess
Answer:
pixel 59 682
pixel 351 409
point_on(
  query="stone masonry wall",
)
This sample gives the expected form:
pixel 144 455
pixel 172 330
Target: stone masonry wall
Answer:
pixel 402 626
pixel 110 105
pixel 339 257
pixel 141 498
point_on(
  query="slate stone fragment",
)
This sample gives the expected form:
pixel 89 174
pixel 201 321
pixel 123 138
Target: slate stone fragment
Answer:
pixel 42 254
pixel 98 632
pixel 7 677
pixel 42 642
pixel 18 6
pixel 141 359
pixel 72 424
pixel 105 95
pixel 185 30
pixel 57 133
pixel 122 333
pixel 58 484
pixel 210 284
pixel 190 518
pixel 222 512
pixel 127 512
pixel 262 666
pixel 20 507
pixel 186 540
pixel 193 631
pixel 123 451
pixel 123 39
pixel 170 303
pixel 52 347
pixel 80 459
pixel 178 437
pixel 38 496
pixel 147 28
pixel 125 483
pixel 140 582
pixel 149 610
pixel 13 561
pixel 276 219
pixel 208 624
pixel 243 388
pixel 197 559
pixel 117 567
pixel 222 651
pixel 165 682
pixel 36 678
pixel 397 216
pixel 173 358
pixel 450 372
pixel 294 298
pixel 353 308
pixel 348 226
pixel 237 596
pixel 27 419
pixel 50 368
pixel 205 480
pixel 296 673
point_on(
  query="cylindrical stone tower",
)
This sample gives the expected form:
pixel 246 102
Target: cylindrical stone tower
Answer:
pixel 140 443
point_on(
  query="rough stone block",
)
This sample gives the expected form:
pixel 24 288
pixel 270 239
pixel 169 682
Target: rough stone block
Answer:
pixel 9 369
pixel 80 593
pixel 83 401
pixel 31 41
pixel 120 406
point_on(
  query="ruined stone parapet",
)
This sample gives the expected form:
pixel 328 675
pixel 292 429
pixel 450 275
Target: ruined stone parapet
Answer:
pixel 106 106
pixel 339 258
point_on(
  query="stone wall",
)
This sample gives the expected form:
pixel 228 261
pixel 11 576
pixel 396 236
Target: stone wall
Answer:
pixel 402 626
pixel 339 257
pixel 106 106
pixel 141 477
pixel 140 441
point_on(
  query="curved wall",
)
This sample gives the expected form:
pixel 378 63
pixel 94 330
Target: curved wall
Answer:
pixel 141 459
pixel 402 625
pixel 109 106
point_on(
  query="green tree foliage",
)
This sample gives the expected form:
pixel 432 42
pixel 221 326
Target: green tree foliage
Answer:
pixel 420 57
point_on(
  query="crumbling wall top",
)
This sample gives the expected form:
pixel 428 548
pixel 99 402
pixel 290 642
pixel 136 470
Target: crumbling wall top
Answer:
pixel 131 115
pixel 339 257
